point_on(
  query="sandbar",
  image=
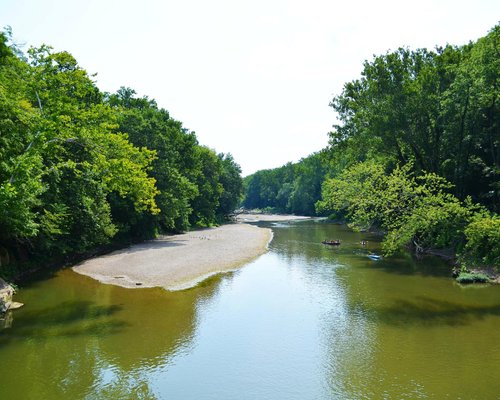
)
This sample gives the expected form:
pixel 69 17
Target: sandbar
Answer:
pixel 179 261
pixel 251 217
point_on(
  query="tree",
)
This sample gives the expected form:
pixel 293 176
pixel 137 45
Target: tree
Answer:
pixel 232 185
pixel 437 110
pixel 149 126
pixel 21 168
pixel 207 179
pixel 412 210
pixel 292 188
pixel 80 169
pixel 61 158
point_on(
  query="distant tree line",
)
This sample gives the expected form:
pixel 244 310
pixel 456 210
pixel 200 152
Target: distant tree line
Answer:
pixel 416 152
pixel 292 188
pixel 80 168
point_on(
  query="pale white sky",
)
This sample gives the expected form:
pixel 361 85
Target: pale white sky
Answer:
pixel 253 78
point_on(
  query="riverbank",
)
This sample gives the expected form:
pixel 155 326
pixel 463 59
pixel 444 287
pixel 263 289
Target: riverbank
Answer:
pixel 179 261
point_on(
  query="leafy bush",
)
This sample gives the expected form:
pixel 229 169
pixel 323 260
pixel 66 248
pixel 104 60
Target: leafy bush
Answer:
pixel 416 210
pixel 483 241
pixel 472 277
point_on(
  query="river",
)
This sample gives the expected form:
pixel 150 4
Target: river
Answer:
pixel 304 321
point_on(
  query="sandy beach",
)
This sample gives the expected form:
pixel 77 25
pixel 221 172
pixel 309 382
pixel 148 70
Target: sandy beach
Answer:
pixel 179 261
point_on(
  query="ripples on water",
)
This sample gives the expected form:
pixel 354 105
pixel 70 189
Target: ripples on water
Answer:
pixel 304 321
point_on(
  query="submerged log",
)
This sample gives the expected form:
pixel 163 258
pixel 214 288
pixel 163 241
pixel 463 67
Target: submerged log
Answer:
pixel 15 305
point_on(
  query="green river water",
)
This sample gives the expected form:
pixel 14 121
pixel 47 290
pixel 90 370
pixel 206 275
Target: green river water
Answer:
pixel 304 321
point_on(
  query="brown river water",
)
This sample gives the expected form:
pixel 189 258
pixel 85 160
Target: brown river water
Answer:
pixel 304 321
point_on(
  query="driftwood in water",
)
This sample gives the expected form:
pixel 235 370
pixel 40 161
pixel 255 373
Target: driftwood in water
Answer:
pixel 335 242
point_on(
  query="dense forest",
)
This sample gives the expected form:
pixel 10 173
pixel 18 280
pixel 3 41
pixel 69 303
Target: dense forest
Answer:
pixel 292 188
pixel 81 169
pixel 415 152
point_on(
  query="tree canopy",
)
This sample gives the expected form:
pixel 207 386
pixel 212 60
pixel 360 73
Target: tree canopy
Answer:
pixel 80 168
pixel 436 109
pixel 415 152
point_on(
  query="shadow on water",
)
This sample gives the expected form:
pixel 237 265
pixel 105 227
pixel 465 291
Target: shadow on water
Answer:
pixel 70 318
pixel 305 238
pixel 37 278
pixel 406 264
pixel 426 311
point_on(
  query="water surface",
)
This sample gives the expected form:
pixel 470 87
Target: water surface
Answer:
pixel 304 321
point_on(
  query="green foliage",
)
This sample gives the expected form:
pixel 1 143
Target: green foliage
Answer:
pixel 232 185
pixel 472 277
pixel 412 210
pixel 416 153
pixel 438 110
pixel 292 188
pixel 196 186
pixel 20 169
pixel 147 126
pixel 206 177
pixel 84 158
pixel 417 149
pixel 428 217
pixel 80 168
pixel 355 194
pixel 483 241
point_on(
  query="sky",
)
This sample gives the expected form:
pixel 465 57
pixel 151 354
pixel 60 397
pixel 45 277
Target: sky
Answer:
pixel 251 78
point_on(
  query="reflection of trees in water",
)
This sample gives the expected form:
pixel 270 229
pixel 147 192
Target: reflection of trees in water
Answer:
pixel 407 324
pixel 374 329
pixel 357 351
pixel 349 342
pixel 67 319
pixel 304 239
pixel 423 311
pixel 95 340
pixel 345 341
pixel 350 338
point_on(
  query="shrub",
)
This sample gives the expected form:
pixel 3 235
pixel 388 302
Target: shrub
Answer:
pixel 483 241
pixel 472 277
